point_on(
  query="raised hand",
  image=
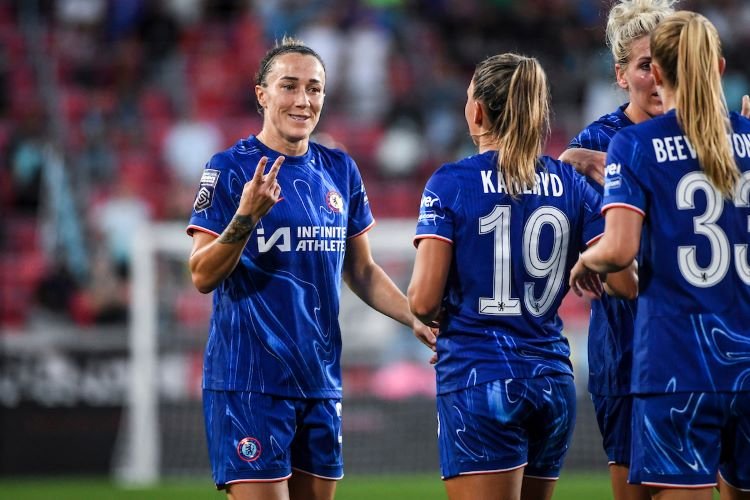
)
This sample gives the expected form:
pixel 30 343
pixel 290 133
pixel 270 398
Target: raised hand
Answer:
pixel 262 191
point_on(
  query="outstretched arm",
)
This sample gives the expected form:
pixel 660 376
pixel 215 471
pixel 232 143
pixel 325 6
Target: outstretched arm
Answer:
pixel 586 162
pixel 614 252
pixel 371 284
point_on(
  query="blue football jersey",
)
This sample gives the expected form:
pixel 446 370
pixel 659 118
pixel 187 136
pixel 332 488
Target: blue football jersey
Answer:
pixel 274 327
pixel 610 343
pixel 692 330
pixel 598 134
pixel 510 267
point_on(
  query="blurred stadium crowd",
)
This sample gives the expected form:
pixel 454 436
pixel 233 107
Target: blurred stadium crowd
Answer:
pixel 110 108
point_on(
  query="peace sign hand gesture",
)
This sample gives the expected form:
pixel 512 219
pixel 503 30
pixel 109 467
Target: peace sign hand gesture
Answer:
pixel 261 192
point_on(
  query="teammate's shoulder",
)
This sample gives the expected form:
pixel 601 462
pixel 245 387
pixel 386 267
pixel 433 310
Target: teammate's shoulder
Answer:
pixel 615 120
pixel 740 124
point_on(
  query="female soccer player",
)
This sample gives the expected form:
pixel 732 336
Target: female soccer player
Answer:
pixel 678 189
pixel 497 234
pixel 611 324
pixel 273 246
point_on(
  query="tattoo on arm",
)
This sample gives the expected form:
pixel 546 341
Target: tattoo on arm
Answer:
pixel 238 229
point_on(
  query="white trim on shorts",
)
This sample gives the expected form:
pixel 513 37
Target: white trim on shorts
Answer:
pixel 274 480
pixel 744 490
pixel 495 471
pixel 544 478
pixel 679 486
pixel 318 475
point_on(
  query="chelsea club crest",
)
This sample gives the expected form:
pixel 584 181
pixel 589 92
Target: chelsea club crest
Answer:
pixel 249 449
pixel 334 201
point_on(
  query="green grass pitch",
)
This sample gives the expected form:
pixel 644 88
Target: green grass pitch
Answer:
pixel 572 486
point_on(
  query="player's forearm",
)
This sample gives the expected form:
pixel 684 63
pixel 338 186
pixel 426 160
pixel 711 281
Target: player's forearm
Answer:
pixel 586 162
pixel 378 291
pixel 212 263
pixel 624 283
pixel 604 259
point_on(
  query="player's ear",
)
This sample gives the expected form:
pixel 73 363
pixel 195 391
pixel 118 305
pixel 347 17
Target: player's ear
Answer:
pixel 657 73
pixel 260 95
pixel 722 65
pixel 477 113
pixel 620 76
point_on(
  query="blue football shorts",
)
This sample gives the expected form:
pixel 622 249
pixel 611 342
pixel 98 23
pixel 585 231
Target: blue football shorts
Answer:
pixel 255 437
pixel 506 424
pixel 681 440
pixel 613 414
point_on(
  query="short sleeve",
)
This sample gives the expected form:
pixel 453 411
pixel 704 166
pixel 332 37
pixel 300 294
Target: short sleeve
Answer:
pixel 623 181
pixel 437 208
pixel 360 216
pixel 593 138
pixel 217 198
pixel 593 222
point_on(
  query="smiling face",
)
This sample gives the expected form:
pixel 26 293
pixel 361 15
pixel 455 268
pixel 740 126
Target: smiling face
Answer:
pixel 292 99
pixel 636 78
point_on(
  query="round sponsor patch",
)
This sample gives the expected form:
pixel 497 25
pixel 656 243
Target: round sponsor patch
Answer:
pixel 334 201
pixel 249 449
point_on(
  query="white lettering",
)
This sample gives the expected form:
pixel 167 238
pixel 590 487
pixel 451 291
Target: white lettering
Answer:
pixel 542 183
pixel 661 154
pixel 678 142
pixel 282 233
pixel 739 146
pixel 557 185
pixel 613 169
pixel 487 186
pixel 670 148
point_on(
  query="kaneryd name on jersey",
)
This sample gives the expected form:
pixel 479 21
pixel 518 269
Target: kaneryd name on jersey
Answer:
pixel 306 239
pixel 678 147
pixel 546 184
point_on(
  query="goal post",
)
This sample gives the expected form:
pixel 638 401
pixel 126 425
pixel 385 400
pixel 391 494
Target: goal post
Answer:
pixel 141 443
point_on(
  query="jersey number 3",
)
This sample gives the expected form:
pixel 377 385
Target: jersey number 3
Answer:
pixel 705 225
pixel 552 268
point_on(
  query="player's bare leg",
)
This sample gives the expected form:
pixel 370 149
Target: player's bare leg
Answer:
pixel 535 488
pixel 277 490
pixel 681 493
pixel 496 486
pixel 621 489
pixel 303 486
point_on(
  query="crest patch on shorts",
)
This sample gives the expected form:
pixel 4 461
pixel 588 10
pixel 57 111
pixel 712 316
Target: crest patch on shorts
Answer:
pixel 249 449
pixel 205 196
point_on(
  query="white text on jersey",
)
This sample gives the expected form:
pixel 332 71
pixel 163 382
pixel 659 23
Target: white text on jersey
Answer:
pixel 309 239
pixel 546 184
pixel 678 147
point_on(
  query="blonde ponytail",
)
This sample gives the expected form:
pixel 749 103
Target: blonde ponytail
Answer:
pixel 687 48
pixel 514 91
